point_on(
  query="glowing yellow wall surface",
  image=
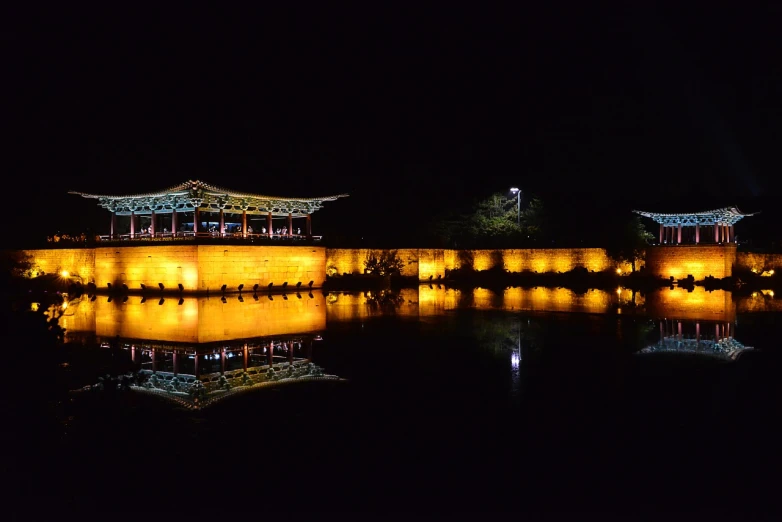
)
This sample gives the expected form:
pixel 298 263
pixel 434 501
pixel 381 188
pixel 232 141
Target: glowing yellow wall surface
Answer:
pixel 717 305
pixel 198 319
pixel 348 306
pixel 426 262
pixel 758 262
pixel 699 261
pixel 79 262
pixel 197 267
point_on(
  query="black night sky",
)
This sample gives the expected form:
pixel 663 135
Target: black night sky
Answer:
pixel 412 111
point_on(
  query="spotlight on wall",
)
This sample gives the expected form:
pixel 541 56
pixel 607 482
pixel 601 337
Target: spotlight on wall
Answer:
pixel 160 285
pixel 161 301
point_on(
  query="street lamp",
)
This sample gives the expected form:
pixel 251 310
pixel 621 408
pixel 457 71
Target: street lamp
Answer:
pixel 516 191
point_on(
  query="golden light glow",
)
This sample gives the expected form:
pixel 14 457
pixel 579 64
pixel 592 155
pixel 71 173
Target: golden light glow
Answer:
pixel 699 304
pixel 618 270
pixel 199 320
pixel 65 273
pixel 767 273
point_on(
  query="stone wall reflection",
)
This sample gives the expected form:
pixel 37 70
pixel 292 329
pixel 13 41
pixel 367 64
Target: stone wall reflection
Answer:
pixel 716 305
pixel 198 320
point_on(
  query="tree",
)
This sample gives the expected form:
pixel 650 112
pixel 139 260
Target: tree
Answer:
pixel 628 242
pixel 492 222
pixel 383 263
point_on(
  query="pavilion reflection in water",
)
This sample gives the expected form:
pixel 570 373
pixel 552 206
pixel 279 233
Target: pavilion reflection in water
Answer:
pixel 199 349
pixel 715 339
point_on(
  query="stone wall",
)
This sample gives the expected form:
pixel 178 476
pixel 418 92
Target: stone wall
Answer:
pixel 758 263
pixel 79 262
pixel 426 262
pixel 197 267
pixel 699 261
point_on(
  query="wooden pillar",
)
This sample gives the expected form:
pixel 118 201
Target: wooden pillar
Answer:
pixel 222 361
pixel 176 363
pixel 662 230
pixel 244 223
pixel 222 223
pixel 679 237
pixel 697 333
pixel 269 224
pixel 271 353
pixel 152 226
pixel 290 352
pixel 679 330
pixel 290 224
pixel 195 362
pixel 132 354
pixel 173 222
pixel 716 233
pixel 717 332
pixel 697 234
pixel 154 361
pixel 113 229
pixel 662 331
pixel 132 224
pixel 246 356
pixel 196 219
pixel 308 228
pixel 732 235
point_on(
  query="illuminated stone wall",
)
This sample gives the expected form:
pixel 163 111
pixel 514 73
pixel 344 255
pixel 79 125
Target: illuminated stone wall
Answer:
pixel 198 320
pixel 541 260
pixel 758 262
pixel 699 304
pixel 196 267
pixel 77 261
pixel 427 262
pixel 351 260
pixel 697 260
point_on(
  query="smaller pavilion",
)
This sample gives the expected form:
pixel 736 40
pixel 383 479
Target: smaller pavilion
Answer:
pixel 720 221
pixel 198 209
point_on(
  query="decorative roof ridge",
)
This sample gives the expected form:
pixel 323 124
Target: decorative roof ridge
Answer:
pixel 733 209
pixel 201 185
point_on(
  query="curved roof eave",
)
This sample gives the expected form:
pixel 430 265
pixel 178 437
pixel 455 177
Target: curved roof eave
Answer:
pixel 185 188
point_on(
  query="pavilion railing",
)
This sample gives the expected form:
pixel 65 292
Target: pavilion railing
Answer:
pixel 176 236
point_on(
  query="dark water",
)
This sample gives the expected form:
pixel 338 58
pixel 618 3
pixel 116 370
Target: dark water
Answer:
pixel 472 406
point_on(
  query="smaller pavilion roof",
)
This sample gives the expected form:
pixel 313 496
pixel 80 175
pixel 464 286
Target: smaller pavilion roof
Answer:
pixel 720 216
pixel 194 194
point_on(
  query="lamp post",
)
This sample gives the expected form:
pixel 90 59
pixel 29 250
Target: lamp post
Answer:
pixel 516 191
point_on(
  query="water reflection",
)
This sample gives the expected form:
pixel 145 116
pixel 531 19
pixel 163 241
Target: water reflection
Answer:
pixel 224 343
pixel 714 339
